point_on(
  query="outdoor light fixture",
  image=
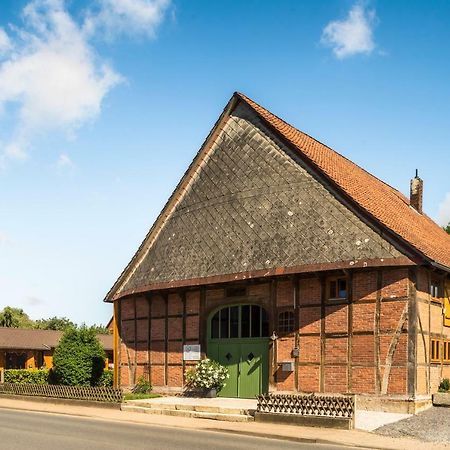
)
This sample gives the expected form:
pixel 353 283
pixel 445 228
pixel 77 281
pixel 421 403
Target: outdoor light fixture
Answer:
pixel 274 336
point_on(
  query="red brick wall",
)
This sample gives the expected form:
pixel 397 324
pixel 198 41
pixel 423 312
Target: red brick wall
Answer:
pixel 341 350
pixel 339 342
pixel 145 349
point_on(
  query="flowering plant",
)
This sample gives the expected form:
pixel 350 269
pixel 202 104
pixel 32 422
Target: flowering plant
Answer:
pixel 207 374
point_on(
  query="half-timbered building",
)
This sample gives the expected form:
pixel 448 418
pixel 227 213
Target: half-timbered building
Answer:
pixel 291 265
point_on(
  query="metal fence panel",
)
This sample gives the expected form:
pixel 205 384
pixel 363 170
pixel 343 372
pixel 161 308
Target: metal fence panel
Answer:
pixel 308 405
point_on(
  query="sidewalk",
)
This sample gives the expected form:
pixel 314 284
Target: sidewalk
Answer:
pixel 354 438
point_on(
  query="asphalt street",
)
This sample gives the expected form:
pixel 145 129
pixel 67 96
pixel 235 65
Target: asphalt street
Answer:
pixel 43 431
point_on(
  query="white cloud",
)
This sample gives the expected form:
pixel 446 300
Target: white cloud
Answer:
pixel 5 42
pixel 352 35
pixel 15 150
pixel 132 17
pixel 51 77
pixel 64 161
pixel 444 210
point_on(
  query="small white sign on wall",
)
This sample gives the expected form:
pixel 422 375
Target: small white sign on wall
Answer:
pixel 192 352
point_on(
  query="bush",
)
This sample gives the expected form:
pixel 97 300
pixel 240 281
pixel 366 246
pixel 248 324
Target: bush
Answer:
pixel 27 376
pixel 445 385
pixel 106 379
pixel 207 374
pixel 79 359
pixel 143 386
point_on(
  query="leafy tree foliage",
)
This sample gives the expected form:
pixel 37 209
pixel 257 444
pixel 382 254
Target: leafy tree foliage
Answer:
pixel 79 358
pixel 17 318
pixel 54 323
pixel 14 318
pixel 98 329
pixel 447 228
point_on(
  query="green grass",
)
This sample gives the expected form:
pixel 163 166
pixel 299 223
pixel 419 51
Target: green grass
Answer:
pixel 140 396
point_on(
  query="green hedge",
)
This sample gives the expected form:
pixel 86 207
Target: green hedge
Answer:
pixel 27 376
pixel 106 379
pixel 79 358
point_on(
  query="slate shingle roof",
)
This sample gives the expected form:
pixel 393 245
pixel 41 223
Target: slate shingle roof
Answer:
pixel 385 204
pixel 30 339
pixel 203 231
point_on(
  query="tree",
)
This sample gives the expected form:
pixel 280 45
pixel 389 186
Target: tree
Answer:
pixel 14 318
pixel 447 228
pixel 97 329
pixel 54 323
pixel 79 358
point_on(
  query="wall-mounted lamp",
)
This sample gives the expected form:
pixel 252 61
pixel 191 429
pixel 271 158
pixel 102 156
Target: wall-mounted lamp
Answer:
pixel 274 336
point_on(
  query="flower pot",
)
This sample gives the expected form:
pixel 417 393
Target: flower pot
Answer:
pixel 211 393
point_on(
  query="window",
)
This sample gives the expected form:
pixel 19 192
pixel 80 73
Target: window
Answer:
pixel 435 289
pixel 337 288
pixel 15 360
pixel 286 322
pixel 435 350
pixel 241 321
pixel 446 352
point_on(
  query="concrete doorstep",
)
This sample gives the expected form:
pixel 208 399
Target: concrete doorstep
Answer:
pixel 213 409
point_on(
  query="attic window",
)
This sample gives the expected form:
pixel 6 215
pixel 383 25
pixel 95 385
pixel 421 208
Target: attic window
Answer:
pixel 236 292
pixel 436 288
pixel 337 289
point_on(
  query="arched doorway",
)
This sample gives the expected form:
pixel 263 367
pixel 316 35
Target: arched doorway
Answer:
pixel 238 339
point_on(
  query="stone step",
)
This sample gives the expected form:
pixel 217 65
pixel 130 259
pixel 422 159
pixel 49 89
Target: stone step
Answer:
pixel 190 407
pixel 227 417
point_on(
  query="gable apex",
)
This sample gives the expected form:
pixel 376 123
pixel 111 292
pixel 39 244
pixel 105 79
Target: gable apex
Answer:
pixel 248 140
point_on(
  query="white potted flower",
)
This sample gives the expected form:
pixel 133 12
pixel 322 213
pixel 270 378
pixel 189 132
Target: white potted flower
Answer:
pixel 208 376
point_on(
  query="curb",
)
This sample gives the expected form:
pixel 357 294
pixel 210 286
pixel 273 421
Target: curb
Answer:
pixel 61 401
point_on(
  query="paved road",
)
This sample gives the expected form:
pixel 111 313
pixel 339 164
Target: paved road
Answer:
pixel 42 431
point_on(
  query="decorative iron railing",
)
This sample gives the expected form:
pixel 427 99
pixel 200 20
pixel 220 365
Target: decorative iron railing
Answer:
pixel 97 394
pixel 332 406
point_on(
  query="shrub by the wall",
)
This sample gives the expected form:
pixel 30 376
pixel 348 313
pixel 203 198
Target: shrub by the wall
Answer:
pixel 79 358
pixel 106 378
pixel 27 376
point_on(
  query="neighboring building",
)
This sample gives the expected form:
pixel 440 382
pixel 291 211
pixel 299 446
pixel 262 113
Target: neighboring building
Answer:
pixel 23 348
pixel 291 265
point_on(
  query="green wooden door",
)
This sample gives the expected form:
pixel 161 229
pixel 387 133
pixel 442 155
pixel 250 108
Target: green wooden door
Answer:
pixel 229 355
pixel 253 370
pixel 237 339
pixel 247 364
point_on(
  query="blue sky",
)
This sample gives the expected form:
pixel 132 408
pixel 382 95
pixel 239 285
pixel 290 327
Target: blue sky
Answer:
pixel 104 103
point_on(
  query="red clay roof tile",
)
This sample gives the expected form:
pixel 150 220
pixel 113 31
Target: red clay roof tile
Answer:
pixel 384 203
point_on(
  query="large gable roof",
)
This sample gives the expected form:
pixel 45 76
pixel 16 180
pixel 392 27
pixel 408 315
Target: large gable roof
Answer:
pixel 378 202
pixel 384 203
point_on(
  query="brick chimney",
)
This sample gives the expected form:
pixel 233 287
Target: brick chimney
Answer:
pixel 416 193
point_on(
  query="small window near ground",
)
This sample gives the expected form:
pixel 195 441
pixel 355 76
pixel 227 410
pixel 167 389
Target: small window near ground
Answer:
pixel 337 289
pixel 286 322
pixel 435 350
